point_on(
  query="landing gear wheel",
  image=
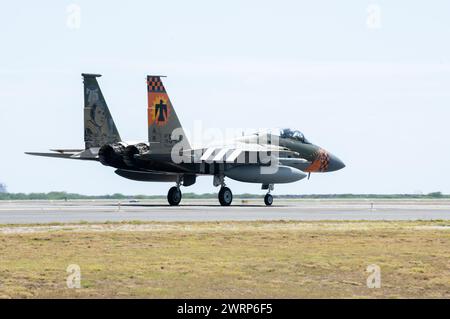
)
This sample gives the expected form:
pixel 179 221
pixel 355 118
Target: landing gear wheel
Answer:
pixel 174 196
pixel 225 196
pixel 268 199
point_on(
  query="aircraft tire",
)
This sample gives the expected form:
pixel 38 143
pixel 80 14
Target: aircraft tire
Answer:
pixel 268 199
pixel 225 196
pixel 174 196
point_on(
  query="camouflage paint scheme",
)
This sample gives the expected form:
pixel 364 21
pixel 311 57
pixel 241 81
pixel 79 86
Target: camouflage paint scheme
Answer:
pixel 154 161
pixel 99 127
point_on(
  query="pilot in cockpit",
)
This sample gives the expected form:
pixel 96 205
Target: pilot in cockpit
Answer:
pixel 294 135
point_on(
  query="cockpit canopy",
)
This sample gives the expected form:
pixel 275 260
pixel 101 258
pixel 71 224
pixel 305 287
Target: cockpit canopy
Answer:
pixel 286 133
pixel 295 135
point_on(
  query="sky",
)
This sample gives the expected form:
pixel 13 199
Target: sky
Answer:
pixel 367 80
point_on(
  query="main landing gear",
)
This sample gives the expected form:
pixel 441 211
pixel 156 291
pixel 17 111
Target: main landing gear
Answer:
pixel 225 194
pixel 174 196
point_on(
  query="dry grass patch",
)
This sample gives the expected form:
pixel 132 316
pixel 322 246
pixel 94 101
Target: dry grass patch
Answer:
pixel 227 259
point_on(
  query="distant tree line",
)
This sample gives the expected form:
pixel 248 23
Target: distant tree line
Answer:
pixel 72 196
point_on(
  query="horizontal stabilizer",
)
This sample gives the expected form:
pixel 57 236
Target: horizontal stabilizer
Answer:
pixel 58 155
pixel 68 153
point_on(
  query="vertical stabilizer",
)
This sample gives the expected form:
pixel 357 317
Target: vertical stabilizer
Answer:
pixel 162 118
pixel 99 127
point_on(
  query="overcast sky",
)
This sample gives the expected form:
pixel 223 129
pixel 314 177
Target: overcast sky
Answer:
pixel 368 81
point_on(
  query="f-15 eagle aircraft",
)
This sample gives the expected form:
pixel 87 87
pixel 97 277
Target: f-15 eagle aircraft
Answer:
pixel 265 158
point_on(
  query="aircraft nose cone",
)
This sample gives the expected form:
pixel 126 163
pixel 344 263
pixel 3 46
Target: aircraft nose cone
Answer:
pixel 335 164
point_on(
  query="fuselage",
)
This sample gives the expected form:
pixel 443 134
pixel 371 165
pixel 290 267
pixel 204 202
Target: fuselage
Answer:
pixel 291 160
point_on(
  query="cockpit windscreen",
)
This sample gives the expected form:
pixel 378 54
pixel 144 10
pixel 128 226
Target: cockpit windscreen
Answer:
pixel 294 135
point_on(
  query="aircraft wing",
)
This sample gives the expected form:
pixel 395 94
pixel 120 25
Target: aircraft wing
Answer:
pixel 241 153
pixel 262 155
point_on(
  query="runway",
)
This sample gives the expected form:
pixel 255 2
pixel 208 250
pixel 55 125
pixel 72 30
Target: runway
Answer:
pixel 31 212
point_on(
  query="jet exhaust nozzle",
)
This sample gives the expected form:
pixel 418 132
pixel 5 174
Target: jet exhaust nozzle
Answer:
pixel 112 155
pixel 132 150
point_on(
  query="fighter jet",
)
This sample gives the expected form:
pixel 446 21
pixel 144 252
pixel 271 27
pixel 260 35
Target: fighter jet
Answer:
pixel 265 158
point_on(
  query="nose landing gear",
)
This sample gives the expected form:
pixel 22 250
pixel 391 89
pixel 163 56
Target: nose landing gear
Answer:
pixel 268 199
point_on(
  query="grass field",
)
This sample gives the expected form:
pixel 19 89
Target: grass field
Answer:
pixel 227 259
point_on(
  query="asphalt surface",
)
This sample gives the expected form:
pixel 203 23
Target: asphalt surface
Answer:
pixel 30 212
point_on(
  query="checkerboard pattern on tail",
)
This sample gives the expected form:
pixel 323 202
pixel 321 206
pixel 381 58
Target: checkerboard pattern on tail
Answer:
pixel 162 119
pixel 154 84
